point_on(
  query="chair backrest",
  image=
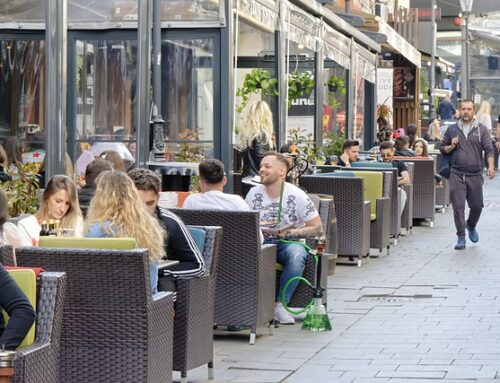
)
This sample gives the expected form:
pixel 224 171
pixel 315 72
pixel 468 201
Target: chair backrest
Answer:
pixel 88 243
pixel 344 189
pixel 373 189
pixel 26 280
pixel 336 174
pixel 7 257
pixel 371 164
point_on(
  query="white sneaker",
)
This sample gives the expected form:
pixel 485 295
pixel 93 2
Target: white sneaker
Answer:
pixel 281 315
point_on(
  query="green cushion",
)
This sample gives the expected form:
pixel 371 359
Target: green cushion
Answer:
pixel 371 164
pixel 88 243
pixel 26 280
pixel 373 188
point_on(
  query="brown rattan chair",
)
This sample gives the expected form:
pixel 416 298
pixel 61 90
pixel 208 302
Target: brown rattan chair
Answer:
pixel 114 329
pixel 245 287
pixel 7 255
pixel 194 313
pixel 39 362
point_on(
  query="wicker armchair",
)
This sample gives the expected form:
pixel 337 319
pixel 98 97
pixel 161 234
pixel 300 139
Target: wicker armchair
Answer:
pixel 114 329
pixel 424 189
pixel 442 193
pixel 245 287
pixel 353 213
pixel 194 314
pixel 39 362
pixel 7 257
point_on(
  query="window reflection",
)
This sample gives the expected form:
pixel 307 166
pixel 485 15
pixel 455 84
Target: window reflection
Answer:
pixel 22 93
pixel 187 98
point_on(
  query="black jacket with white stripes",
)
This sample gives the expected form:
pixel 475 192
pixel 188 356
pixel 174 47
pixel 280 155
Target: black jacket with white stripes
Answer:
pixel 180 246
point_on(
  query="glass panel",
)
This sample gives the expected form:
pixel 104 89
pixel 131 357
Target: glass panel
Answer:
pixel 359 102
pixel 301 110
pixel 188 98
pixel 22 94
pixel 105 96
pixel 335 102
pixel 96 11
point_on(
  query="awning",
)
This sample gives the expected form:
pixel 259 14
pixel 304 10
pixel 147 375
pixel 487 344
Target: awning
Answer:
pixel 393 40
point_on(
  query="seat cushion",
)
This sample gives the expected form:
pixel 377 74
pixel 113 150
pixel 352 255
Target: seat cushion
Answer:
pixel 198 236
pixel 371 164
pixel 88 243
pixel 26 280
pixel 336 174
pixel 373 189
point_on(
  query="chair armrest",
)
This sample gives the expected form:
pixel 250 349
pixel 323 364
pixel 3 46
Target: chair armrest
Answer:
pixel 268 250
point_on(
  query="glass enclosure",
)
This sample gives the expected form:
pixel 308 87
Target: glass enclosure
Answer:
pixel 335 100
pixel 359 101
pixel 188 98
pixel 105 96
pixel 22 94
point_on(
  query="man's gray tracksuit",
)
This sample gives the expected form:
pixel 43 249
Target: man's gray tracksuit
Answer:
pixel 466 178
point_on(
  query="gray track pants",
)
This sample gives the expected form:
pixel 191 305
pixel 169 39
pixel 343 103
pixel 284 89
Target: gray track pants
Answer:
pixel 464 188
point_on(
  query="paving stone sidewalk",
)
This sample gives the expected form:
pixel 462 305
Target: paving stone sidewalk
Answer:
pixel 424 313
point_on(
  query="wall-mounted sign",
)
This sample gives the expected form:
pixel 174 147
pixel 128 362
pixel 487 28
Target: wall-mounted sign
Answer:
pixel 425 14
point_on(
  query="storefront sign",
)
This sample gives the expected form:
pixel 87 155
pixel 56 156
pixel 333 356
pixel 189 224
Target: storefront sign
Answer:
pixel 384 87
pixel 425 14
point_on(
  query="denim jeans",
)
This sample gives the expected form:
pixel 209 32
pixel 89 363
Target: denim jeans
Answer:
pixel 293 258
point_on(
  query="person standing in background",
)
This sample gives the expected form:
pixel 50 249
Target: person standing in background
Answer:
pixel 446 110
pixel 467 139
pixel 255 138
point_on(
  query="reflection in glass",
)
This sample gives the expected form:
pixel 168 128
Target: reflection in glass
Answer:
pixel 106 75
pixel 187 98
pixel 22 91
pixel 359 106
pixel 335 104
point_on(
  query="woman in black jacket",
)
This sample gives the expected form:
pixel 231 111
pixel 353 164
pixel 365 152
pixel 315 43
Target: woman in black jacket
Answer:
pixel 255 138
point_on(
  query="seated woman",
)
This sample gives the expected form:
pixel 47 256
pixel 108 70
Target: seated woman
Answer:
pixel 20 311
pixel 59 201
pixel 421 150
pixel 116 211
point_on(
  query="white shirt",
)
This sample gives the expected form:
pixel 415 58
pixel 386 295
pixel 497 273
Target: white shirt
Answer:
pixel 297 208
pixel 99 147
pixel 30 227
pixel 215 200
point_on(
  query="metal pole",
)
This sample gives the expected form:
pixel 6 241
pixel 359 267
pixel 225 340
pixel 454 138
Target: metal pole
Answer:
pixel 467 56
pixel 463 72
pixel 432 84
pixel 282 55
pixel 142 106
pixel 55 89
pixel 157 55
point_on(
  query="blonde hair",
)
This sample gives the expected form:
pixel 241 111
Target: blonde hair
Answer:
pixel 116 201
pixel 56 183
pixel 484 110
pixel 258 123
pixel 434 130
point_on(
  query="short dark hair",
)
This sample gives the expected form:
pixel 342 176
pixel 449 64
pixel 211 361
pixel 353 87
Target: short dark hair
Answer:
pixel 279 156
pixel 145 179
pixel 401 142
pixel 386 145
pixel 286 148
pixel 95 168
pixel 211 171
pixel 4 208
pixel 411 129
pixel 349 144
pixel 469 101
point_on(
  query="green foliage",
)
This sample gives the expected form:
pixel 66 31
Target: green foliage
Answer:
pixel 335 84
pixel 258 80
pixel 300 85
pixel 305 145
pixel 334 144
pixel 21 189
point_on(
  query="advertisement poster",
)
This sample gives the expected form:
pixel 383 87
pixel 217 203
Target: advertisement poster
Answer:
pixel 404 84
pixel 385 88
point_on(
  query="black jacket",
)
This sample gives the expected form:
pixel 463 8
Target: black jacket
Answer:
pixel 85 194
pixel 252 157
pixel 3 175
pixel 21 313
pixel 404 153
pixel 180 246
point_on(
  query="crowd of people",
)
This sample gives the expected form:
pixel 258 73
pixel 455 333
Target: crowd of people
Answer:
pixel 109 202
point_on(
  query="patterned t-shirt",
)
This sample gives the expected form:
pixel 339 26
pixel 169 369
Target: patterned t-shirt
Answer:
pixel 297 207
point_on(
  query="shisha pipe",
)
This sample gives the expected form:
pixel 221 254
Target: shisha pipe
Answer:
pixel 296 171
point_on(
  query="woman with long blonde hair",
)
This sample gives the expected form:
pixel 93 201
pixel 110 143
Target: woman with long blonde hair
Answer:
pixel 433 132
pixel 483 115
pixel 116 211
pixel 59 201
pixel 255 138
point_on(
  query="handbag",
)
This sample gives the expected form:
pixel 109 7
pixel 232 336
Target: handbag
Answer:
pixel 445 166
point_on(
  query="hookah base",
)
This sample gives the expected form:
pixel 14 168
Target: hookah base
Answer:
pixel 317 319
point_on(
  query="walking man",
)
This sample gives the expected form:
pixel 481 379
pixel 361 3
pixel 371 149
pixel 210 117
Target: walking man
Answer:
pixel 467 140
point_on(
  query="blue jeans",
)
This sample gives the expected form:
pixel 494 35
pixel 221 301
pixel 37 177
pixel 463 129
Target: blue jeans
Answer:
pixel 293 258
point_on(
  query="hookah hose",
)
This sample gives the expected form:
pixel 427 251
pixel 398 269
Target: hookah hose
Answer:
pixel 297 278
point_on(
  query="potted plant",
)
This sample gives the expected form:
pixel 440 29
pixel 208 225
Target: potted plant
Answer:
pixel 305 144
pixel 300 85
pixel 22 189
pixel 333 144
pixel 258 80
pixel 335 84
